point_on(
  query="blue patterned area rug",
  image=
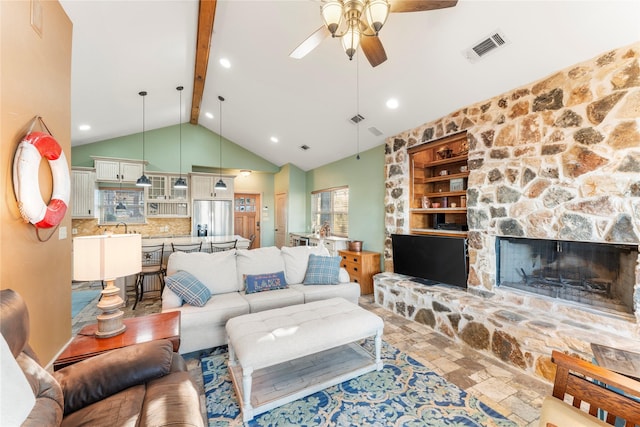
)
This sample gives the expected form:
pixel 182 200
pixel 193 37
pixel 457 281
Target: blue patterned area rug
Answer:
pixel 403 393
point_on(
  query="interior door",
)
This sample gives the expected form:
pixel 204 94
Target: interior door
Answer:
pixel 281 219
pixel 246 216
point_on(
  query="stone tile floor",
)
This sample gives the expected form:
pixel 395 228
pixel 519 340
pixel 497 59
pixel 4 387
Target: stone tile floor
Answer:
pixel 514 393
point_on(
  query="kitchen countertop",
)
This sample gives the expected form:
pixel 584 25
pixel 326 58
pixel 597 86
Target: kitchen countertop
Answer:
pixel 317 236
pixel 242 242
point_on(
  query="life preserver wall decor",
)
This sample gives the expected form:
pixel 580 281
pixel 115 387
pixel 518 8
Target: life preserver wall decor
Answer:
pixel 26 163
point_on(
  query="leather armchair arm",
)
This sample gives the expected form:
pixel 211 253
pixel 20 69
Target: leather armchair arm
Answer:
pixel 101 376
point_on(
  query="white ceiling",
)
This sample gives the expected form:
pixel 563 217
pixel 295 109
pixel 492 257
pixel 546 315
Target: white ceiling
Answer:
pixel 123 47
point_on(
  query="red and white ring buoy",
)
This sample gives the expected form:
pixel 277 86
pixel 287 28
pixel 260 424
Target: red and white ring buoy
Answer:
pixel 26 163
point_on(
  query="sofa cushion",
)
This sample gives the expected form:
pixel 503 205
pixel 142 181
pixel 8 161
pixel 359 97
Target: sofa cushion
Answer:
pixel 296 259
pixel 322 270
pixel 258 261
pixel 14 384
pixel 217 270
pixel 187 287
pixel 349 291
pixel 273 299
pixel 265 282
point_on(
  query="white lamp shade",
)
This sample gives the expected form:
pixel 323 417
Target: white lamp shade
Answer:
pixel 332 14
pixel 377 12
pixel 106 257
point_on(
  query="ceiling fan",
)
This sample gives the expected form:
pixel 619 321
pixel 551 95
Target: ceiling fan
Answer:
pixel 357 23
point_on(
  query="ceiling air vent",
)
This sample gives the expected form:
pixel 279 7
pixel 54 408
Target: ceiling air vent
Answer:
pixel 485 46
pixel 374 130
pixel 356 119
pixel 304 147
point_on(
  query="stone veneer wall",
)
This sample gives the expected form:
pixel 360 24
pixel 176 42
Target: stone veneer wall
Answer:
pixel 556 159
pixel 153 227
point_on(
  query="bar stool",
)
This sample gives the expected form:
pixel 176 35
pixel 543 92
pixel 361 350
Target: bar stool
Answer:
pixel 223 246
pixel 151 266
pixel 186 247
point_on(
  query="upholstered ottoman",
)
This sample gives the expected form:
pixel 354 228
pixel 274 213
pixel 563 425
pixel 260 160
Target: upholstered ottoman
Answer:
pixel 280 355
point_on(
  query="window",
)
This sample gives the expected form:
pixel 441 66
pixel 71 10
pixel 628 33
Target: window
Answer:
pixel 116 204
pixel 331 206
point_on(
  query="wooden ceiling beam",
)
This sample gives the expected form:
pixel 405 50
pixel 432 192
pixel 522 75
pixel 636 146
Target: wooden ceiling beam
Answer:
pixel 206 17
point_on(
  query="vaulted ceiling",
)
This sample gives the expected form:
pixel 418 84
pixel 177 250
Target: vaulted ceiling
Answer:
pixel 123 47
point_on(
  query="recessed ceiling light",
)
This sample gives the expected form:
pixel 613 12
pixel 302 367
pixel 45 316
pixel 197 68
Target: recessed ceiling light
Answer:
pixel 392 103
pixel 225 63
pixel 208 115
pixel 274 139
pixel 84 127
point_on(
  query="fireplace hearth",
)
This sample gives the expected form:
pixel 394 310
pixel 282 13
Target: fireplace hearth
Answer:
pixel 598 275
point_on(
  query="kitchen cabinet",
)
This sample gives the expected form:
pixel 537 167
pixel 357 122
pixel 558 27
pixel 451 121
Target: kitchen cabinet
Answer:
pixel 361 266
pixel 163 200
pixel 203 187
pixel 438 187
pixel 83 193
pixel 118 170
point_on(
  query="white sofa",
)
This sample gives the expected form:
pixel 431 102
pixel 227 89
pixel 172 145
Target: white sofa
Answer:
pixel 223 274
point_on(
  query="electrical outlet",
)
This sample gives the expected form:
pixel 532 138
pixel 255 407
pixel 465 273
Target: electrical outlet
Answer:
pixel 74 231
pixel 62 233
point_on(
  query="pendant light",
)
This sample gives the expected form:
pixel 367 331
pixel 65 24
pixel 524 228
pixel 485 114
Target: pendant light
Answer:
pixel 220 185
pixel 144 180
pixel 180 182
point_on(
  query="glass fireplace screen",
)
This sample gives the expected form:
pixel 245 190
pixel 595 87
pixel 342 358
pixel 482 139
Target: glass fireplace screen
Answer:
pixel 596 274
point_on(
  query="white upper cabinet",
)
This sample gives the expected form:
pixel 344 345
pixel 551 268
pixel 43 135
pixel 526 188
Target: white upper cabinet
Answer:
pixel 203 187
pixel 115 170
pixel 83 190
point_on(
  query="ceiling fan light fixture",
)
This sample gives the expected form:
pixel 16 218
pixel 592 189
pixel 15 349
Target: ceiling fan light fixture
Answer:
pixel 332 15
pixel 377 12
pixel 351 41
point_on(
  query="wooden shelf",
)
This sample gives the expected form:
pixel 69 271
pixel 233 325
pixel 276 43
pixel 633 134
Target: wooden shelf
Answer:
pixel 457 210
pixel 427 182
pixel 440 178
pixel 436 232
pixel 443 194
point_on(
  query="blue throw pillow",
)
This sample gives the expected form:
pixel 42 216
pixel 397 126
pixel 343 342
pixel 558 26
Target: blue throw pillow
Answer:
pixel 322 270
pixel 187 287
pixel 265 282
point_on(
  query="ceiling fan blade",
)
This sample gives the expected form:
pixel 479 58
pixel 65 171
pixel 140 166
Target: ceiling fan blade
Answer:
pixel 373 50
pixel 310 43
pixel 420 5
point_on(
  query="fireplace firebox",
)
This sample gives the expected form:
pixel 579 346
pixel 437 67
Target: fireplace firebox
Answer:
pixel 598 275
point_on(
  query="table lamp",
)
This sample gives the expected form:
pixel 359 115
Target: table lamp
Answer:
pixel 107 257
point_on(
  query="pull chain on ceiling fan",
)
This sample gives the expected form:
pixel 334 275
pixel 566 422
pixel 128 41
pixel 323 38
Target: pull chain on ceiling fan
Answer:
pixel 358 22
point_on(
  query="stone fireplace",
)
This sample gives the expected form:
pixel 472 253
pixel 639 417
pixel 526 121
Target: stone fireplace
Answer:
pixel 557 160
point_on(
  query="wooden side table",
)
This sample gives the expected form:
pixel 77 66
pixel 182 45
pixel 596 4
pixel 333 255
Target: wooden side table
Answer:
pixel 139 329
pixel 361 266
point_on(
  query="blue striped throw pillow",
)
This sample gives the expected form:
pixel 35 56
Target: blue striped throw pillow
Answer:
pixel 187 287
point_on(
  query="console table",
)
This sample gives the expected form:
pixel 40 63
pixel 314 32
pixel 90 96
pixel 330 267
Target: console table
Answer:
pixel 139 329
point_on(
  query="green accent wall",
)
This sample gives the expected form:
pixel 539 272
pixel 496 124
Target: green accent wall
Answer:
pixel 365 178
pixel 200 148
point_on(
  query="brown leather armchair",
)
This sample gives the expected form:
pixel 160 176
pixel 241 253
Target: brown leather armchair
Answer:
pixel 141 385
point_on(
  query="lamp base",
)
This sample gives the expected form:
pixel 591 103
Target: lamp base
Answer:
pixel 110 321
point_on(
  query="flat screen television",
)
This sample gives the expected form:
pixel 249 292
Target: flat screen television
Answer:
pixel 431 259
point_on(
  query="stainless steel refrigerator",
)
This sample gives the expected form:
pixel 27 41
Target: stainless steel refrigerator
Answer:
pixel 212 218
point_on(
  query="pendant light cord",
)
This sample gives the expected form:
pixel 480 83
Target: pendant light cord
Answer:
pixel 180 128
pixel 220 136
pixel 143 94
pixel 358 105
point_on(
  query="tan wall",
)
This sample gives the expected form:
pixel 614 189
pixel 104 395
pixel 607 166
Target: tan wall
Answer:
pixel 35 80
